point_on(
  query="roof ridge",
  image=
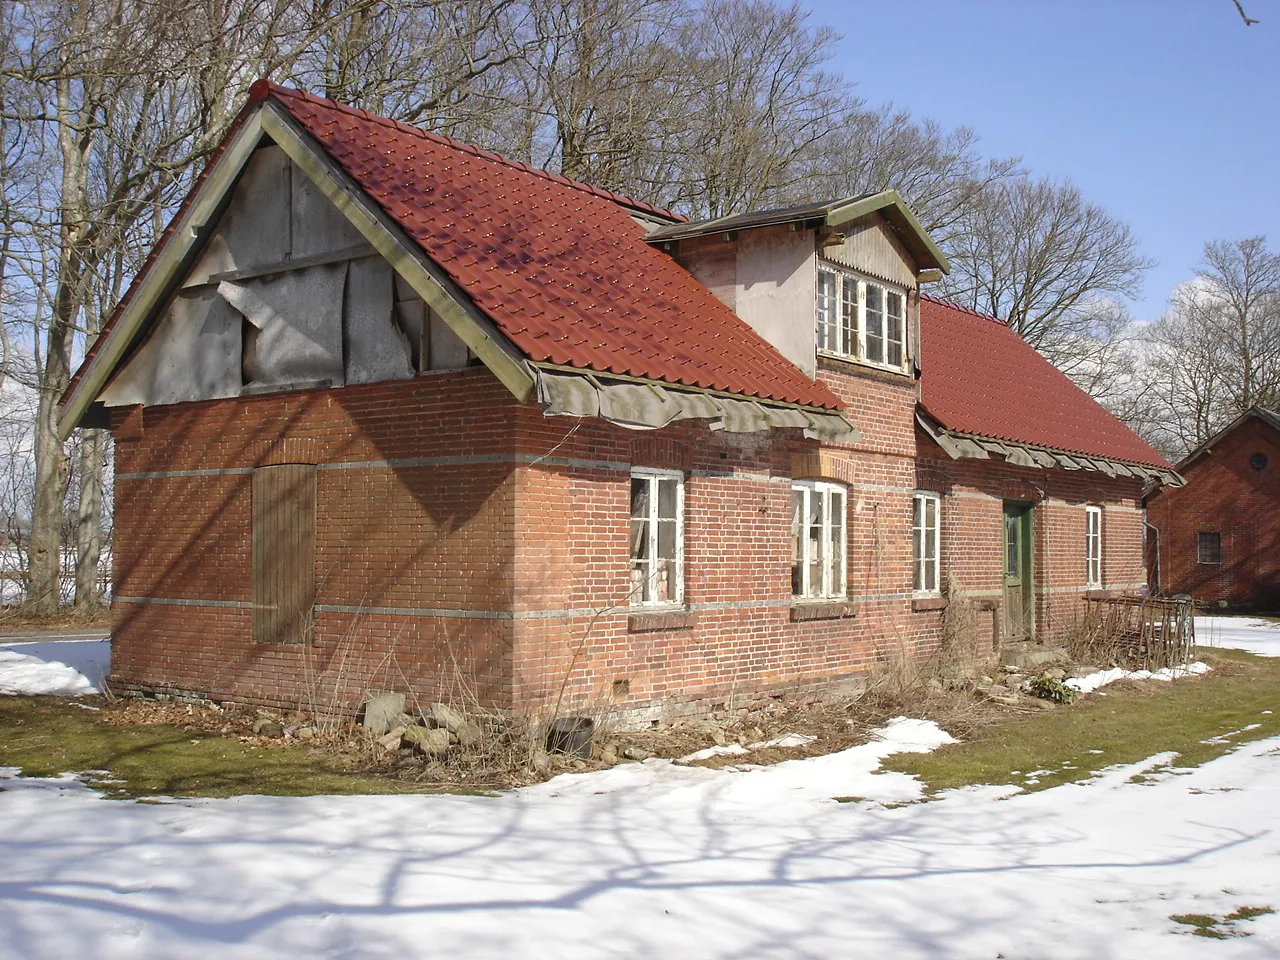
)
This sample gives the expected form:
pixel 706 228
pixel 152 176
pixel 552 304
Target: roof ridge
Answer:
pixel 263 89
pixel 943 302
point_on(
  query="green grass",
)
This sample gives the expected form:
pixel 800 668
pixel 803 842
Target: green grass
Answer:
pixel 1220 929
pixel 1248 913
pixel 1205 925
pixel 46 736
pixel 1129 724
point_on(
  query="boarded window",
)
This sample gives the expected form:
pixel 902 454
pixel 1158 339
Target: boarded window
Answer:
pixel 284 550
pixel 1210 548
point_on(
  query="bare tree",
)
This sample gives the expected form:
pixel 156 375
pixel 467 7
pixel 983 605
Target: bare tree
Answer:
pixel 940 172
pixel 598 87
pixel 1036 254
pixel 764 104
pixel 1248 20
pixel 1216 351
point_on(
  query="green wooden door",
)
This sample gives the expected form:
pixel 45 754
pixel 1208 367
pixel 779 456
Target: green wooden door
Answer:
pixel 1019 603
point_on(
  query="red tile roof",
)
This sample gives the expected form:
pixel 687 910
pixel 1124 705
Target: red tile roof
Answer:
pixel 561 268
pixel 979 377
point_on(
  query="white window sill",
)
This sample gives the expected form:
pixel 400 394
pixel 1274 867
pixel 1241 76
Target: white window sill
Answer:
pixel 859 362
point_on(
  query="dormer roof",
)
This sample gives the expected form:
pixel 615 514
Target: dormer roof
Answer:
pixel 832 213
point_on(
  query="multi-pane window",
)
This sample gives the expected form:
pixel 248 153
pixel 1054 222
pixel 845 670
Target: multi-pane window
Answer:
pixel 817 540
pixel 924 540
pixel 657 537
pixel 1210 548
pixel 861 319
pixel 1093 546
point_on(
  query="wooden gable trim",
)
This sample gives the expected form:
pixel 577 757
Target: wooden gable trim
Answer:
pixel 425 277
pixel 895 210
pixel 176 255
pixel 188 240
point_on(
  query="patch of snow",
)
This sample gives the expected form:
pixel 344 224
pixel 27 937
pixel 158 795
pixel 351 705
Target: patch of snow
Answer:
pixel 738 750
pixel 786 740
pixel 1239 633
pixel 1226 737
pixel 719 750
pixel 55 668
pixel 1093 681
pixel 847 773
pixel 654 860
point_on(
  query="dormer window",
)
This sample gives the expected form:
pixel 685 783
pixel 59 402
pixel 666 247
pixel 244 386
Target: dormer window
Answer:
pixel 861 320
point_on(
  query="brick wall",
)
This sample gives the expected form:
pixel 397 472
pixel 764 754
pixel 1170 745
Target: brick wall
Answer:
pixel 1225 495
pixel 973 494
pixel 415 496
pixel 468 546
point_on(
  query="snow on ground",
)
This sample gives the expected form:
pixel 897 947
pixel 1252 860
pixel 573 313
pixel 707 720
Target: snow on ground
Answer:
pixel 1092 681
pixel 656 860
pixel 1243 633
pixel 59 668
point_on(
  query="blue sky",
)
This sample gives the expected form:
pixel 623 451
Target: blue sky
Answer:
pixel 1164 112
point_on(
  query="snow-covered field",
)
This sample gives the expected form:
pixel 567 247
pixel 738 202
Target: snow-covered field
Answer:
pixel 657 860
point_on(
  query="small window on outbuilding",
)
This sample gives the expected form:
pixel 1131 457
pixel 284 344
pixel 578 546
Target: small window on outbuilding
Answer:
pixel 1258 461
pixel 1210 548
pixel 284 553
pixel 860 319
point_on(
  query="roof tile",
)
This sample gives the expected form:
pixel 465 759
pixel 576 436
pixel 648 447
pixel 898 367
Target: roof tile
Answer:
pixel 979 377
pixel 607 300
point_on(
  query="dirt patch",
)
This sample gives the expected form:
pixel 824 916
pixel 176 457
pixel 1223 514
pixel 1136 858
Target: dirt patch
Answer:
pixel 834 725
pixel 16 618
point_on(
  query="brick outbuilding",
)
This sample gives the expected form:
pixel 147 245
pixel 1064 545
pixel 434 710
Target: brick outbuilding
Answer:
pixel 392 412
pixel 1219 535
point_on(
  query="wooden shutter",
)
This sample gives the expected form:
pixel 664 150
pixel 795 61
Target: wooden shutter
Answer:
pixel 284 551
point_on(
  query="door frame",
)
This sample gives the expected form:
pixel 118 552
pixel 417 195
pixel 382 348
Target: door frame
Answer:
pixel 1024 511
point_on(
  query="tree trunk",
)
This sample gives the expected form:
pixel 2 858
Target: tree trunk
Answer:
pixel 89 521
pixel 44 549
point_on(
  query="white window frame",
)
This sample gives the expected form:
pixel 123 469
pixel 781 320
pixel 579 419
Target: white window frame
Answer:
pixel 832 322
pixel 651 476
pixel 921 538
pixel 1093 547
pixel 834 581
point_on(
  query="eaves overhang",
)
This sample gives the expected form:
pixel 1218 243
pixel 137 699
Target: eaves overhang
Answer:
pixel 961 446
pixel 639 404
pixel 835 214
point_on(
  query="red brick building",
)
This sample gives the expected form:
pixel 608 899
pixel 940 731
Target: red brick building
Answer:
pixel 1219 536
pixel 392 412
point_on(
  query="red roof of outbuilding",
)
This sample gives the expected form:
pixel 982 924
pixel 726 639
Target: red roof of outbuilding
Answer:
pixel 560 267
pixel 980 378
